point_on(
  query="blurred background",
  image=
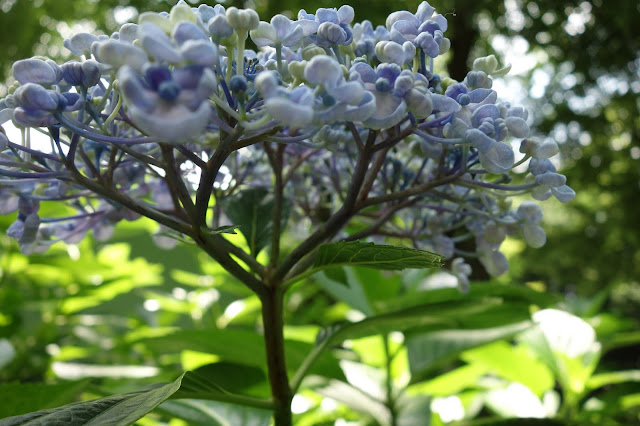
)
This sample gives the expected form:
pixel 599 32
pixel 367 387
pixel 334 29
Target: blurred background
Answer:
pixel 576 67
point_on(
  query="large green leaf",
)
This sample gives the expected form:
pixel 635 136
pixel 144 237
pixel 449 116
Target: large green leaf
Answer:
pixel 212 413
pixel 110 411
pixel 251 210
pixel 427 350
pixel 436 316
pixel 240 346
pixel 20 398
pixel 446 315
pixel 451 382
pixel 377 256
pixel 507 292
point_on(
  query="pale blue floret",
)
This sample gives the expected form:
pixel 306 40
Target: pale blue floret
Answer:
pixel 293 109
pixel 35 105
pixel 325 72
pixel 172 107
pixel 116 54
pixel 335 24
pixel 366 38
pixel 128 33
pixel 86 74
pixel 281 31
pixel 529 214
pixel 219 27
pixel 200 52
pixel 390 51
pixel 36 71
pixel 185 31
pixel 157 44
pixel 80 44
pixel 495 157
pixel 423 29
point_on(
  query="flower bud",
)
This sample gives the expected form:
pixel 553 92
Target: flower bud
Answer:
pixel 534 235
pixel 242 19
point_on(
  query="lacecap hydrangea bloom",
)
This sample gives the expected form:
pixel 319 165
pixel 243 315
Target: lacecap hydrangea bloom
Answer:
pixel 171 116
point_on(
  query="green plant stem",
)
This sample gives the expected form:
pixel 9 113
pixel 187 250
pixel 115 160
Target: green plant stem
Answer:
pixel 390 402
pixel 317 350
pixel 276 159
pixel 272 310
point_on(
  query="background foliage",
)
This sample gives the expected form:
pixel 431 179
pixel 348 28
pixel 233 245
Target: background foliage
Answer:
pixel 104 305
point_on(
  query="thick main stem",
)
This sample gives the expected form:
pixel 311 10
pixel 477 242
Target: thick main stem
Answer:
pixel 272 310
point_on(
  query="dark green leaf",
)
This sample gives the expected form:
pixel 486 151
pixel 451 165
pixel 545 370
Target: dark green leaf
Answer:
pixel 377 256
pixel 110 411
pixel 223 377
pixel 252 211
pixel 20 398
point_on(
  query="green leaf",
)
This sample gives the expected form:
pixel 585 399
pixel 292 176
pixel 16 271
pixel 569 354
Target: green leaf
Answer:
pixel 478 290
pixel 240 346
pixel 343 285
pixel 620 340
pixel 210 413
pixel 427 350
pixel 20 398
pixel 451 382
pixel 512 363
pixel 252 211
pixel 414 410
pixel 434 316
pixel 227 229
pixel 377 256
pixel 438 316
pixel 356 400
pixel 110 411
pixel 615 377
pixel 223 378
pixel 359 287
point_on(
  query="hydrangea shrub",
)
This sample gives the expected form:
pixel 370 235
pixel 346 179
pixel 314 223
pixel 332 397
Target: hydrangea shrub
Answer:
pixel 331 131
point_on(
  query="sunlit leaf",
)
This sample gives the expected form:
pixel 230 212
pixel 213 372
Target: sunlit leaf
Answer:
pixel 512 363
pixel 240 346
pixel 427 350
pixel 614 377
pixel 451 382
